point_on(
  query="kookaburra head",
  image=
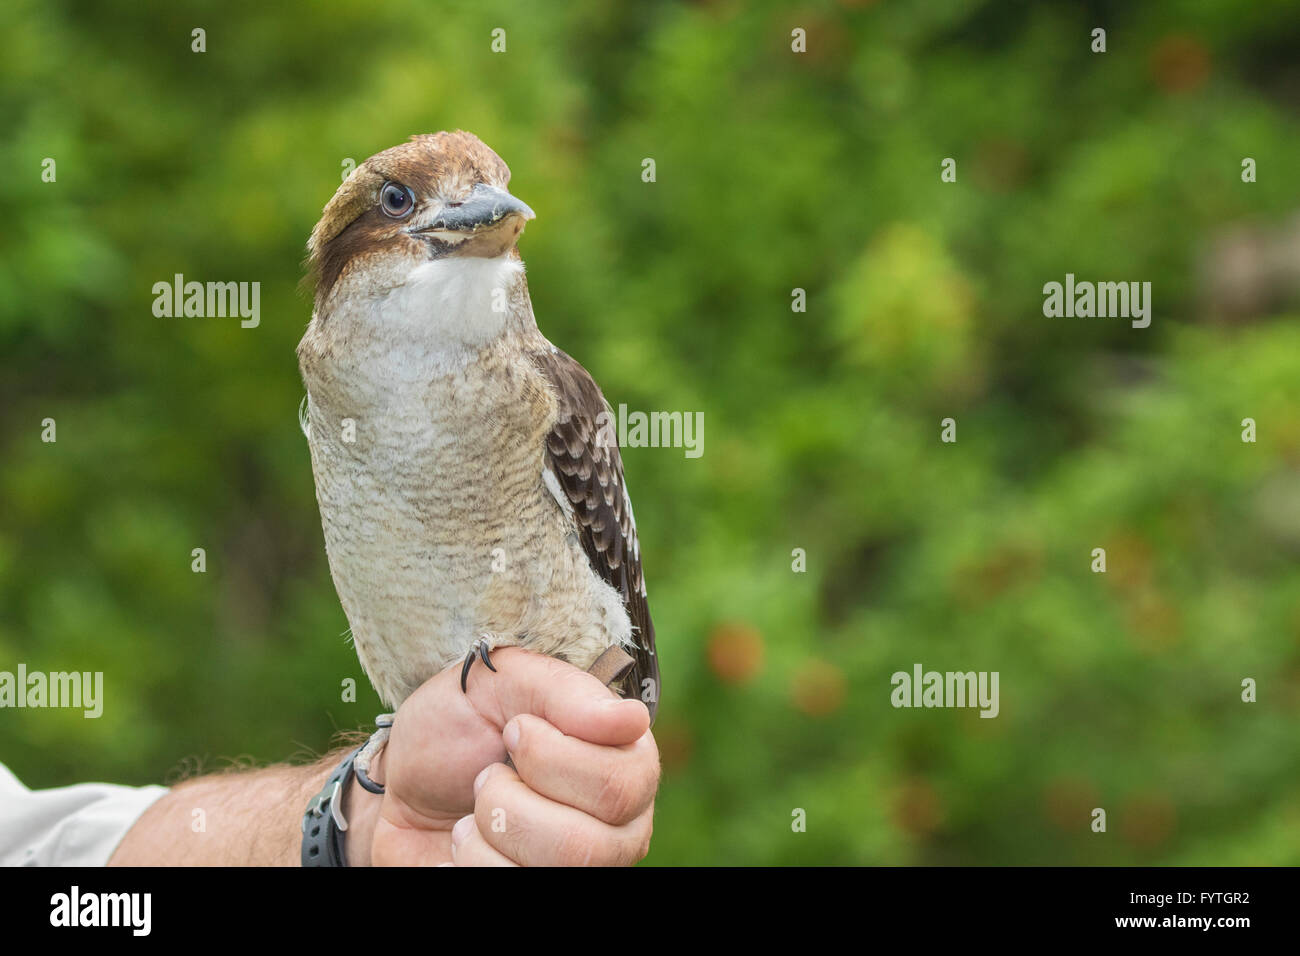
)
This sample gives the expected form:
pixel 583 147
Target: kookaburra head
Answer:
pixel 438 197
pixel 470 488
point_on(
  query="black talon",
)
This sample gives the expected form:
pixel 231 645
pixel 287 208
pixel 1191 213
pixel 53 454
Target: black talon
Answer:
pixel 479 647
pixel 464 671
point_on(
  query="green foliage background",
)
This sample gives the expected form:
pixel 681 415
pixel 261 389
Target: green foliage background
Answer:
pixel 774 171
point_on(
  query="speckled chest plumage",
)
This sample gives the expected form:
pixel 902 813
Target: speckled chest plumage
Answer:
pixel 438 524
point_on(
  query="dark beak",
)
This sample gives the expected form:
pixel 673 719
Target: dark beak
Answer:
pixel 483 208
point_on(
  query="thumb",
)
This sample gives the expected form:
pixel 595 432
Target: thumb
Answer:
pixel 573 701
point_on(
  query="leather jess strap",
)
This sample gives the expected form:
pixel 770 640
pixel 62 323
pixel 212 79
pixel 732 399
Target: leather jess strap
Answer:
pixel 612 665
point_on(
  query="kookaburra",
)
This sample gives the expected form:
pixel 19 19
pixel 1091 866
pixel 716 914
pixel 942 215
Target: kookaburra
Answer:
pixel 470 486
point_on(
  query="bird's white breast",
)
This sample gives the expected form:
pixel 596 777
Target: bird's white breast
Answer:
pixel 438 524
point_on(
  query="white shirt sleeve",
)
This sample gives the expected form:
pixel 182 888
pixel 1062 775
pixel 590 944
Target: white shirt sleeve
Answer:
pixel 79 825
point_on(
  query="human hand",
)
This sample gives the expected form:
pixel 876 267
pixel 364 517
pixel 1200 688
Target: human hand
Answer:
pixel 586 769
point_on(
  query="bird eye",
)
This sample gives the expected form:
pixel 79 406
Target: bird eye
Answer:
pixel 396 200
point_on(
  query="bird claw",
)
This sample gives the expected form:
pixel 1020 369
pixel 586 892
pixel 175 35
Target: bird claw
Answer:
pixel 480 648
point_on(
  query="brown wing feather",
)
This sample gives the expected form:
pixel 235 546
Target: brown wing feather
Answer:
pixel 582 452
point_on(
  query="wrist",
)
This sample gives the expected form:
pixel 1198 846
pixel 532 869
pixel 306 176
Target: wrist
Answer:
pixel 361 811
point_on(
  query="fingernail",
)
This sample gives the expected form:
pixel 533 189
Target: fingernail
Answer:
pixel 511 735
pixel 464 826
pixel 480 779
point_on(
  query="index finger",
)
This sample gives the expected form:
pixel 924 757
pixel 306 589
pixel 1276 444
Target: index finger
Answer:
pixel 572 700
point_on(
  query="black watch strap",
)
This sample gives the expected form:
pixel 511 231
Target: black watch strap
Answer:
pixel 323 823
